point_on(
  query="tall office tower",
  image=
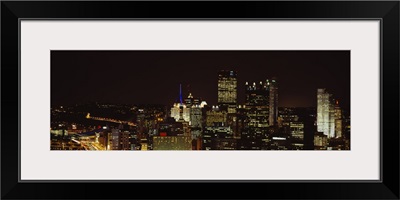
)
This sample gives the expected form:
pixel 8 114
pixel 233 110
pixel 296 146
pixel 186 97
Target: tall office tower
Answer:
pixel 193 108
pixel 196 119
pixel 196 116
pixel 257 104
pixel 241 121
pixel 331 119
pixel 141 121
pixel 227 90
pixel 338 120
pixel 325 113
pixel 273 101
pixel 257 115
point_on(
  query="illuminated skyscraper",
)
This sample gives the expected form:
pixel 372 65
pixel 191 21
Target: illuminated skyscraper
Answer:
pixel 262 103
pixel 257 104
pixel 195 106
pixel 227 90
pixel 273 102
pixel 196 116
pixel 189 113
pixel 179 111
pixel 338 121
pixel 325 113
pixel 196 119
pixel 257 115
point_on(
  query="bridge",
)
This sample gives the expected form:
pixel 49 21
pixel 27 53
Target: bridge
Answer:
pixel 110 120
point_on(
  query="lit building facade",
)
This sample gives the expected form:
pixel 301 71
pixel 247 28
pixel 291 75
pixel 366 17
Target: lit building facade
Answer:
pixel 120 140
pixel 257 116
pixel 338 121
pixel 240 122
pixel 287 115
pixel 273 101
pixel 195 106
pixel 170 128
pixel 325 113
pixel 115 139
pixel 196 116
pixel 320 141
pixel 257 104
pixel 180 109
pixel 227 90
pixel 189 111
pixel 329 115
pixel 215 132
pixel 224 144
pixel 172 143
pixel 297 129
pixel 191 101
pixel 124 140
pixel 215 115
pixel 141 121
pixel 186 128
pixel 144 144
pixel 196 120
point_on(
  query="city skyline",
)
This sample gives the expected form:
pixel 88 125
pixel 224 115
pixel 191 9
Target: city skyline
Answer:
pixel 90 75
pixel 237 111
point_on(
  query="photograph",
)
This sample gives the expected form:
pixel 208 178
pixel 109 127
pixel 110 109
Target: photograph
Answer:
pixel 299 96
pixel 200 100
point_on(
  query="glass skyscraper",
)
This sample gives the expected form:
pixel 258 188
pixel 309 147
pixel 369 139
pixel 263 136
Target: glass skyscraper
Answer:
pixel 325 113
pixel 227 90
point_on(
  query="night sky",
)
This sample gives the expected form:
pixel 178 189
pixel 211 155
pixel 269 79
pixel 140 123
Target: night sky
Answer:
pixel 153 77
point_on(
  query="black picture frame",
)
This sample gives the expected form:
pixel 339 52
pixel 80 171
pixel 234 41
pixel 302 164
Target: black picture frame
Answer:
pixel 13 11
